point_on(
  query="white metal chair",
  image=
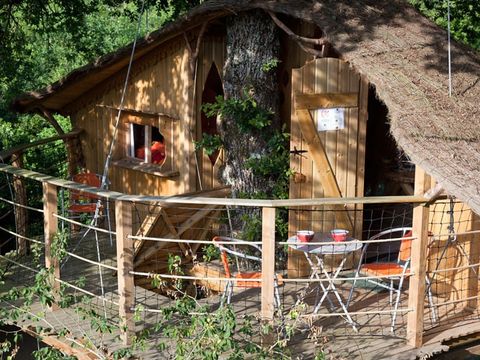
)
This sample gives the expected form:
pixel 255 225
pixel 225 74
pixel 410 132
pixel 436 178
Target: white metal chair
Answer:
pixel 245 279
pixel 392 271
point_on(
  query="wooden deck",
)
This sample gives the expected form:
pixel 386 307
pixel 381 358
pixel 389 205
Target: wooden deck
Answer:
pixel 373 341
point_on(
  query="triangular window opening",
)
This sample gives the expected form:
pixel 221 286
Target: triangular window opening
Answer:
pixel 213 88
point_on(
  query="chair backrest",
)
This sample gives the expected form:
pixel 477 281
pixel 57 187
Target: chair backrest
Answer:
pixel 405 244
pixel 221 242
pixel 89 179
pixel 405 247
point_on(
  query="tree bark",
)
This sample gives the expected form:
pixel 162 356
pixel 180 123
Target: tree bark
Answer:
pixel 252 40
pixel 20 192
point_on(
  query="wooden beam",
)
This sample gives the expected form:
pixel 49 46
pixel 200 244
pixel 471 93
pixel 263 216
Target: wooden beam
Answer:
pixel 325 170
pixel 50 226
pixel 142 113
pixel 126 286
pixel 206 229
pixel 325 101
pixel 172 201
pixel 56 342
pixel 146 228
pixel 197 216
pixel 5 154
pixel 474 253
pixel 418 265
pixel 47 115
pixel 268 264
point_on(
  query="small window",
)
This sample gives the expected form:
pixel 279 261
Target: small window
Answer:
pixel 147 144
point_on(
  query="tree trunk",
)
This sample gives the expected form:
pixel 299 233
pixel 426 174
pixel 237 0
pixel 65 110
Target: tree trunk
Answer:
pixel 252 41
pixel 20 193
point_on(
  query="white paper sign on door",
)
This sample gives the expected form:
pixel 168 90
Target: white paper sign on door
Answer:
pixel 330 119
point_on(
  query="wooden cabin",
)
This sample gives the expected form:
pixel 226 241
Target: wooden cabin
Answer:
pixel 376 94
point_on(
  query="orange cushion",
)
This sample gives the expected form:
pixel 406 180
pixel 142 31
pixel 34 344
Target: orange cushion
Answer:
pixel 253 284
pixel 382 269
pixel 82 208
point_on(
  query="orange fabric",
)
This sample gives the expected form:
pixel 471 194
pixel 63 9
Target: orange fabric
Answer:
pixel 225 264
pixel 243 275
pixel 157 150
pixel 254 284
pixel 405 248
pixel 89 179
pixel 249 284
pixel 82 208
pixel 382 269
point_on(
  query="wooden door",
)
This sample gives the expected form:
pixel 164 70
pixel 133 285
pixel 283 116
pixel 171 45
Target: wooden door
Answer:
pixel 328 163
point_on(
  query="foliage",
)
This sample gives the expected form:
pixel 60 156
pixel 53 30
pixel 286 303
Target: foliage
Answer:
pixel 465 17
pixel 190 330
pixel 210 252
pixel 221 334
pixel 246 112
pixel 271 65
pixel 48 353
pixel 273 165
pixel 209 143
pixel 41 41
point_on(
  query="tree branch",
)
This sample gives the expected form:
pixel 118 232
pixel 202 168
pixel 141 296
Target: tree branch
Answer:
pixel 49 117
pixel 194 55
pixel 312 51
pixel 298 38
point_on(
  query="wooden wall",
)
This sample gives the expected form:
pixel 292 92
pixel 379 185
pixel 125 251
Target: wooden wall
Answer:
pixel 160 82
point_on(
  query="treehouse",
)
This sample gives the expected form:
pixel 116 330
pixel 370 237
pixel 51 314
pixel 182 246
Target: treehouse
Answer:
pixel 362 89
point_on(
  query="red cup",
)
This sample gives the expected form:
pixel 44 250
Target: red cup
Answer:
pixel 305 235
pixel 339 235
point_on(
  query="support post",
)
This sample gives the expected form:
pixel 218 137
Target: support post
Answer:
pixel 50 223
pixel 416 292
pixel 20 212
pixel 126 286
pixel 268 263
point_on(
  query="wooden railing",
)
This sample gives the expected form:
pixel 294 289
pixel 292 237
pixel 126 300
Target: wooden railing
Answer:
pixel 124 243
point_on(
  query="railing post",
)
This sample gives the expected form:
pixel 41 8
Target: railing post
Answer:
pixel 417 287
pixel 126 285
pixel 50 229
pixel 268 263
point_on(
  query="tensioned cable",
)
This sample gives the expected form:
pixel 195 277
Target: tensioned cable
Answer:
pixel 104 182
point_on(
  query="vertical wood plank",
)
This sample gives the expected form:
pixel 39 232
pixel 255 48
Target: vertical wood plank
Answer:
pixel 352 148
pixel 418 266
pixel 361 151
pixel 189 89
pixel 474 259
pixel 50 226
pixel 308 166
pixel 321 84
pixel 126 287
pixel 297 265
pixel 268 263
pixel 341 155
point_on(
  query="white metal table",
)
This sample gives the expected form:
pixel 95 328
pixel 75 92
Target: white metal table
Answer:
pixel 319 250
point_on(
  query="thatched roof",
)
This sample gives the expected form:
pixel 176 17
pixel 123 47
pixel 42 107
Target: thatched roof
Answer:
pixel 403 54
